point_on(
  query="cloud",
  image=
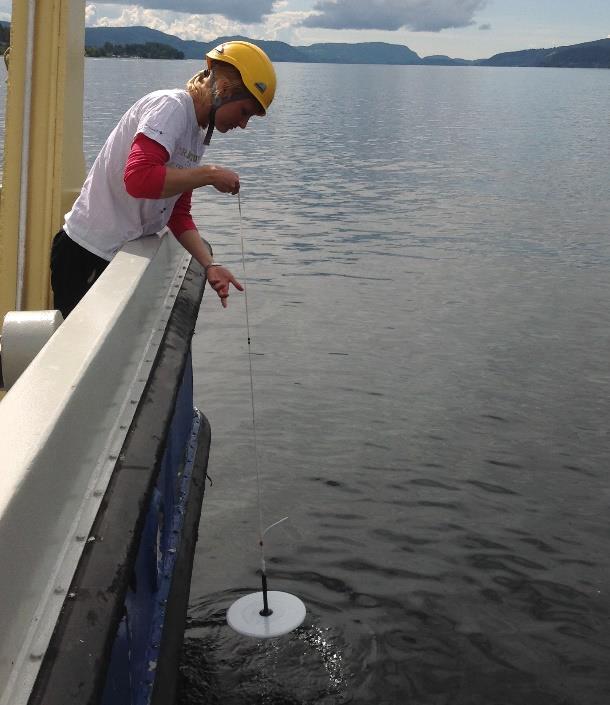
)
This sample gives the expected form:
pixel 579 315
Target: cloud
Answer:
pixel 251 11
pixel 90 15
pixel 132 16
pixel 429 16
pixel 484 27
pixel 196 27
pixel 280 25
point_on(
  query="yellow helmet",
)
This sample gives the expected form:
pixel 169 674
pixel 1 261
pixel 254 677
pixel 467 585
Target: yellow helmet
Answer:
pixel 254 66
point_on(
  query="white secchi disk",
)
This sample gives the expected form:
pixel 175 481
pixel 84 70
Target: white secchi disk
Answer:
pixel 244 614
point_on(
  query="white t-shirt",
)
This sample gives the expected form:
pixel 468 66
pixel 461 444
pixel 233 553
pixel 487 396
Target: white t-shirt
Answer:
pixel 104 217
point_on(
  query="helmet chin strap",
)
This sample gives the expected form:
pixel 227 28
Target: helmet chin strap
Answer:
pixel 219 102
pixel 211 124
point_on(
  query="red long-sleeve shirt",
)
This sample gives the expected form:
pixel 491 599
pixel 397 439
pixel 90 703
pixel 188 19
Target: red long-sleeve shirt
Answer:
pixel 144 177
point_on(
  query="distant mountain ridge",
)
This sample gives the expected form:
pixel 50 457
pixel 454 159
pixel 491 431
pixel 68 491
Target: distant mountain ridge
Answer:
pixel 364 53
pixel 587 55
pixel 594 54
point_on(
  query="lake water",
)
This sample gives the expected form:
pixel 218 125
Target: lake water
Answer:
pixel 428 274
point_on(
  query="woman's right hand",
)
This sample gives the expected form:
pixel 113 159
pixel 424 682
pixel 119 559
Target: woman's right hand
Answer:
pixel 224 180
pixel 178 181
pixel 220 278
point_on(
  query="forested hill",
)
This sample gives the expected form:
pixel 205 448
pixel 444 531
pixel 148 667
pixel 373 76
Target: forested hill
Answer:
pixel 332 53
pixel 588 55
pixel 148 50
pixel 98 36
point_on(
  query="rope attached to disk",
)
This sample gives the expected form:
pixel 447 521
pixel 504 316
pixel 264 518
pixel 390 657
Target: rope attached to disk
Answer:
pixel 286 611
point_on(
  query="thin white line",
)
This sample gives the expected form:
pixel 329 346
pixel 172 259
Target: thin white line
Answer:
pixel 250 353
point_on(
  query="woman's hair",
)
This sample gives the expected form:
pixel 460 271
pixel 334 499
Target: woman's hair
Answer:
pixel 196 88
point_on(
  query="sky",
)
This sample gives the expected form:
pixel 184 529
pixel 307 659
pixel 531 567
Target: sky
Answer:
pixel 467 29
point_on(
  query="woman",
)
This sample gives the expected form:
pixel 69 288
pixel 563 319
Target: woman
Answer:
pixel 143 178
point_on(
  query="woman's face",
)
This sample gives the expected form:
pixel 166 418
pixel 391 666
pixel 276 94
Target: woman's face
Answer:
pixel 236 114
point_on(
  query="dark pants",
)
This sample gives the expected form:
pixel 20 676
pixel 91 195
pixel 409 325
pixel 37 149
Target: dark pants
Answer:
pixel 73 272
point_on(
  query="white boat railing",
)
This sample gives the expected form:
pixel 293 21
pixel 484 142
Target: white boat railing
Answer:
pixel 64 422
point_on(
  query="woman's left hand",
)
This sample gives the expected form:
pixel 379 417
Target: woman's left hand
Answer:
pixel 220 278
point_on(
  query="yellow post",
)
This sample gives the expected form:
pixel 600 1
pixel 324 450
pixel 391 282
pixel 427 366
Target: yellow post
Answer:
pixel 43 165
